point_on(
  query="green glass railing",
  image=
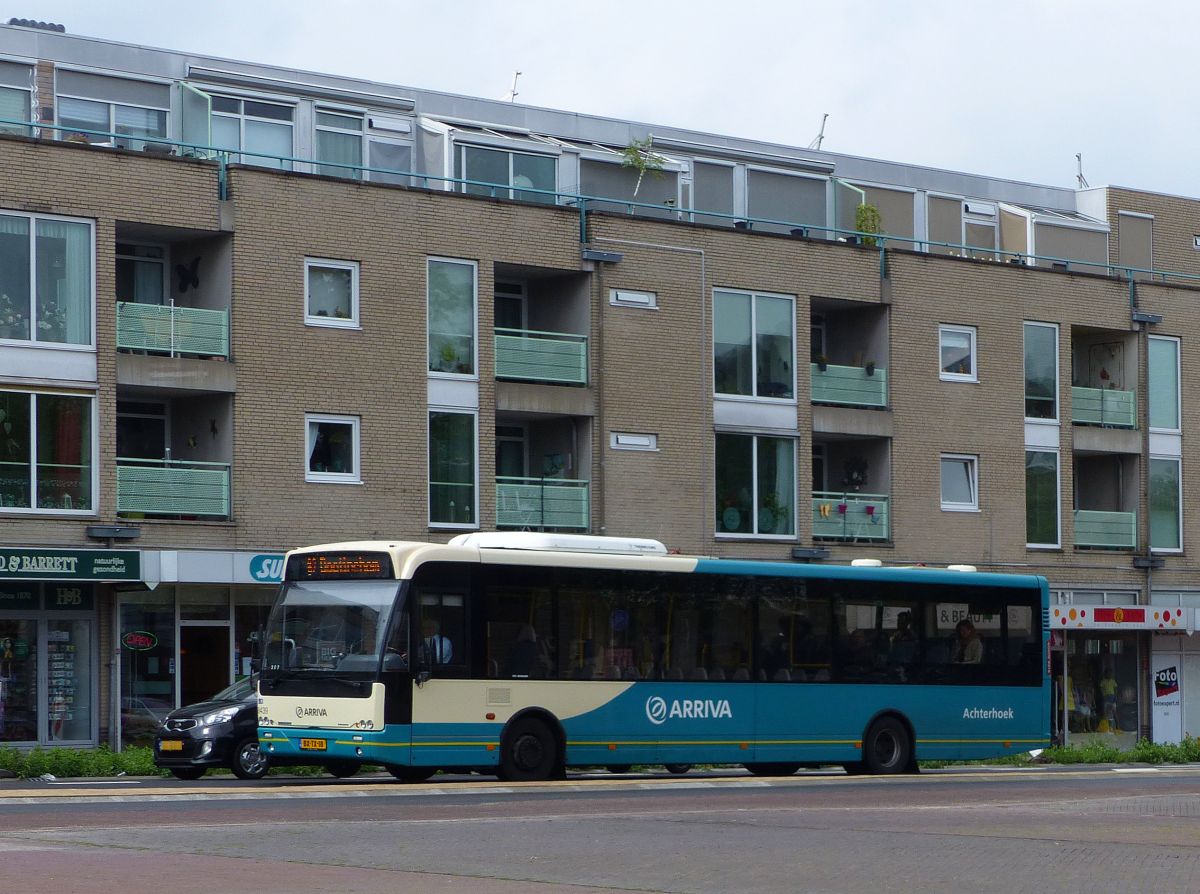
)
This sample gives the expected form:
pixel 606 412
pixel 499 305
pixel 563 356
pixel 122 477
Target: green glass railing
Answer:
pixel 1104 406
pixel 1111 530
pixel 851 386
pixel 850 516
pixel 535 356
pixel 538 503
pixel 171 329
pixel 172 487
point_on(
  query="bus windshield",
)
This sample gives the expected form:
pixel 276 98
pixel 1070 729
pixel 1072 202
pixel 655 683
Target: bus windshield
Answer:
pixel 326 626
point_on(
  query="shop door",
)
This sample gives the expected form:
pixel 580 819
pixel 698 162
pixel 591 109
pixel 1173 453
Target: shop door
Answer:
pixel 18 681
pixel 203 661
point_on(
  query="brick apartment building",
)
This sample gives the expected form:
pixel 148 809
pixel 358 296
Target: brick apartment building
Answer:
pixel 319 308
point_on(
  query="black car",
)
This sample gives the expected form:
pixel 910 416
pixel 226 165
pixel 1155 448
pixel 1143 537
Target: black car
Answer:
pixel 220 732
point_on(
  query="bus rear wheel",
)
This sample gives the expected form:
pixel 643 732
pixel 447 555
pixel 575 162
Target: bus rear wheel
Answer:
pixel 412 774
pixel 677 769
pixel 887 747
pixel 772 769
pixel 528 751
pixel 342 769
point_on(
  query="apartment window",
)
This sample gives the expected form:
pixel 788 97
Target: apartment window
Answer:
pixel 960 482
pixel 517 170
pixel 756 485
pixel 339 140
pixel 253 126
pixel 14 106
pixel 1041 371
pixel 452 485
pixel 45 279
pixel 1041 498
pixel 128 122
pixel 1165 525
pixel 956 345
pixel 141 273
pixel 452 296
pixel 332 449
pixel 47 453
pixel 330 292
pixel 753 349
pixel 1164 383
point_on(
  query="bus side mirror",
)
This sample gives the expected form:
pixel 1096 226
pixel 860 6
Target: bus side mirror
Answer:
pixel 422 677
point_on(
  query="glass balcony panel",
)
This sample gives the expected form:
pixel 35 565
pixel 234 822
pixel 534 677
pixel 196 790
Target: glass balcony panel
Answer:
pixel 850 516
pixel 1104 406
pixel 172 487
pixel 170 329
pixel 849 386
pixel 541 356
pixel 542 503
pixel 1113 530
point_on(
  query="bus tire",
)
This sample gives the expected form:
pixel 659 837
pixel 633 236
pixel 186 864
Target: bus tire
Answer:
pixel 342 769
pixel 777 768
pixel 677 769
pixel 528 751
pixel 887 747
pixel 619 768
pixel 411 774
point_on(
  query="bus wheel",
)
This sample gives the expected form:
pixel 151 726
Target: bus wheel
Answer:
pixel 528 752
pixel 411 774
pixel 887 747
pixel 772 769
pixel 342 769
pixel 677 769
pixel 619 768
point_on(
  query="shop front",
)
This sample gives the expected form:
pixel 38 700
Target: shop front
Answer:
pixel 1100 668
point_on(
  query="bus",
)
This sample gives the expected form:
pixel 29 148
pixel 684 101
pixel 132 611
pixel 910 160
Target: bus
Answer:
pixel 523 654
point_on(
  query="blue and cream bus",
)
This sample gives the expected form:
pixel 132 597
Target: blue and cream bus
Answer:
pixel 524 654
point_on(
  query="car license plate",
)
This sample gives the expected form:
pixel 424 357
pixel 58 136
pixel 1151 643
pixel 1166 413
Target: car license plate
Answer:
pixel 312 744
pixel 170 745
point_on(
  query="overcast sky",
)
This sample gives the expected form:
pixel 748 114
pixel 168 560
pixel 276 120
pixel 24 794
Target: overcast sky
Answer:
pixel 1008 88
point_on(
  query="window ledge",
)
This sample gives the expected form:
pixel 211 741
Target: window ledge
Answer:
pixel 974 509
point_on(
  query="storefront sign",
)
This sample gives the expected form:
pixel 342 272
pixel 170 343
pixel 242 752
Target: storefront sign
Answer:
pixel 139 640
pixel 69 564
pixel 1167 698
pixel 1121 617
pixel 22 597
pixel 73 598
pixel 267 568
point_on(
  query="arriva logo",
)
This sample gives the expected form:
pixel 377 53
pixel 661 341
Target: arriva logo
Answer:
pixel 659 712
pixel 267 568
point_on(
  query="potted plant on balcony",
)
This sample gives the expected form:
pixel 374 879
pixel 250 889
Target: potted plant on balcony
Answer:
pixel 867 220
pixel 822 363
pixel 640 156
pixel 870 367
pixel 854 473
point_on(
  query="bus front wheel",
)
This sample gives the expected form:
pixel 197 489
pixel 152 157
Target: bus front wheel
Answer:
pixel 887 747
pixel 528 751
pixel 772 769
pixel 411 774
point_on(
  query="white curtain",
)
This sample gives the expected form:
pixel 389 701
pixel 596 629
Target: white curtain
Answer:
pixel 64 282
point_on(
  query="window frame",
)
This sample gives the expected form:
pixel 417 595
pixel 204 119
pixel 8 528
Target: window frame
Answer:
pixel 17 129
pixel 501 190
pixel 1039 420
pixel 1029 544
pixel 112 120
pixel 972 462
pixel 361 133
pixel 754 396
pixel 311 319
pixel 434 373
pixel 443 525
pixel 1176 341
pixel 355 423
pixel 1179 512
pixel 94 448
pixel 241 117
pixel 972 334
pixel 756 506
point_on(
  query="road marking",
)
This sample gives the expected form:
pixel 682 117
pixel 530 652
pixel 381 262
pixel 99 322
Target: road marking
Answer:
pixel 99 782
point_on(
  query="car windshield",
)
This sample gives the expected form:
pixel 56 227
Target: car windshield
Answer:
pixel 239 691
pixel 328 625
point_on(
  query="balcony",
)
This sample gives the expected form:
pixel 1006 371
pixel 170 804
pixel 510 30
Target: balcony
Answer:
pixel 168 329
pixel 542 503
pixel 533 356
pixel 1104 406
pixel 171 487
pixel 850 386
pixel 1107 530
pixel 850 516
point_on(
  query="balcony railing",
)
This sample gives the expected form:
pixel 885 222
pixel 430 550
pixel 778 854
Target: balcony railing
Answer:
pixel 1111 530
pixel 542 503
pixel 850 516
pixel 1104 406
pixel 849 385
pixel 168 329
pixel 172 487
pixel 541 356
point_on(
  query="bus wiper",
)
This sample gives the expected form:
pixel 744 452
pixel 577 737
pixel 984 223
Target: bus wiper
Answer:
pixel 347 681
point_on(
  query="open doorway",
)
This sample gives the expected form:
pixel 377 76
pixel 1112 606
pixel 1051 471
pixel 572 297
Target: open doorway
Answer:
pixel 203 661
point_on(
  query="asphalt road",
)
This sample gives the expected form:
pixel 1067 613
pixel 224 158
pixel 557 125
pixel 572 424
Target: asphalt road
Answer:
pixel 1101 830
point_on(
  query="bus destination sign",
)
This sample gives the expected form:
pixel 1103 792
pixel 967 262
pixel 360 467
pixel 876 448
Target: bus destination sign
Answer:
pixel 339 566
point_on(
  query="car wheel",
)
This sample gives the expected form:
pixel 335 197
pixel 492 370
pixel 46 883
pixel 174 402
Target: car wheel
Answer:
pixel 249 760
pixel 412 774
pixel 528 751
pixel 677 769
pixel 343 769
pixel 772 769
pixel 188 773
pixel 887 747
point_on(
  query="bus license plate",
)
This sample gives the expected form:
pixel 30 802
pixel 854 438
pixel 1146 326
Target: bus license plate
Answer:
pixel 312 744
pixel 170 745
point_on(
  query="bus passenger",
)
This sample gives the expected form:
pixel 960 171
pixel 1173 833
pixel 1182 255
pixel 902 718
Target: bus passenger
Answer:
pixel 523 659
pixel 968 647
